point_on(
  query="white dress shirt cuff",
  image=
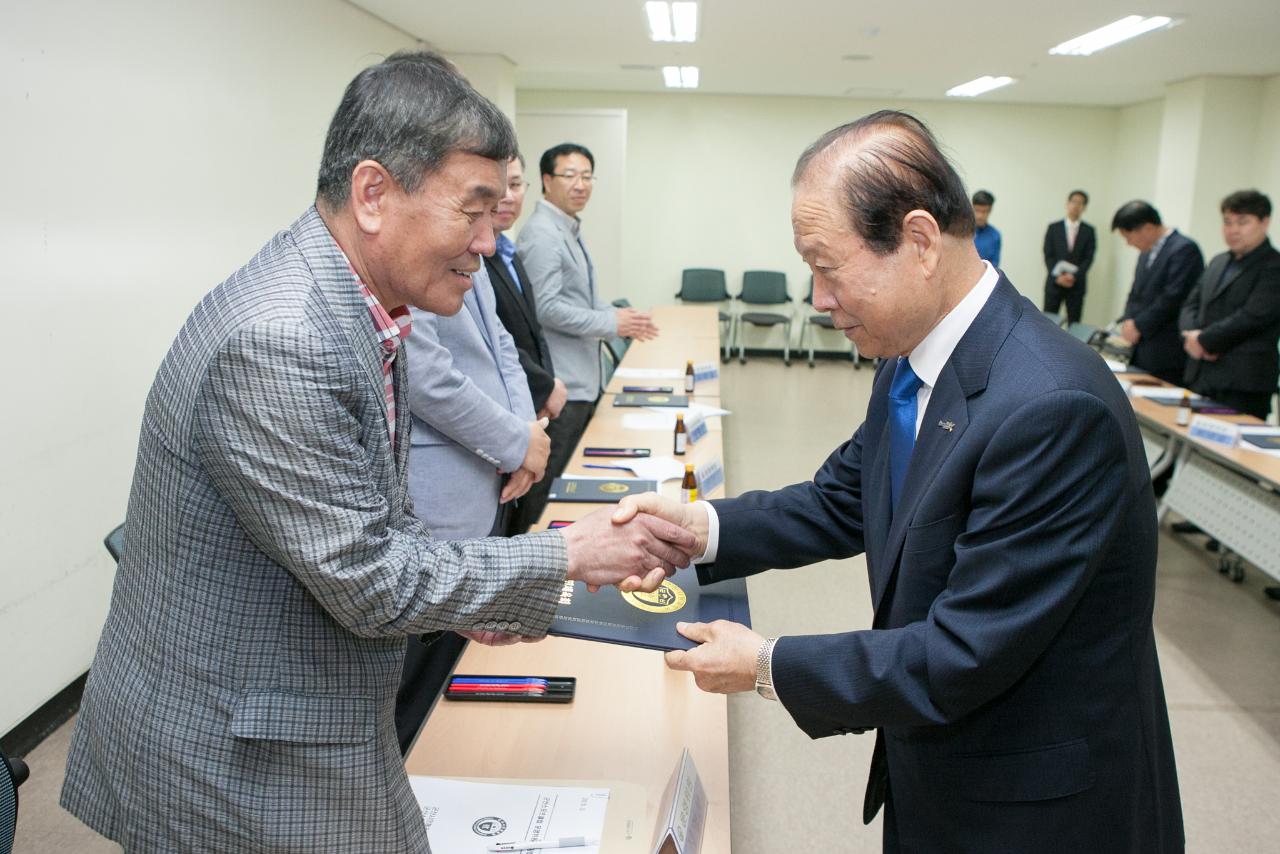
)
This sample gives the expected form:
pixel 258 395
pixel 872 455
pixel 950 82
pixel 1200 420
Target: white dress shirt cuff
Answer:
pixel 713 534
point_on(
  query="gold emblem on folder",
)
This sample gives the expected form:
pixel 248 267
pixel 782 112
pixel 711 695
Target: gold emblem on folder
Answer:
pixel 614 488
pixel 664 600
pixel 659 398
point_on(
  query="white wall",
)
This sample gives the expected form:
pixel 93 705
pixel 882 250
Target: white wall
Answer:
pixel 1137 151
pixel 151 148
pixel 708 179
pixel 1267 145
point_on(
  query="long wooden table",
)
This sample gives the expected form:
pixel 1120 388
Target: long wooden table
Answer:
pixel 631 716
pixel 1229 493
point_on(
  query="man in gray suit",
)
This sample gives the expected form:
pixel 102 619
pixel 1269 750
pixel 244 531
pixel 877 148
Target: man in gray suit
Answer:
pixel 475 447
pixel 242 693
pixel 574 317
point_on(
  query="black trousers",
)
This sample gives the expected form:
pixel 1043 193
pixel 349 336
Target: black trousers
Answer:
pixel 1054 295
pixel 565 433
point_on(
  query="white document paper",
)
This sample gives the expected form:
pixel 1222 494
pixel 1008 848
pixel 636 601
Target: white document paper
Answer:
pixel 1063 267
pixel 1158 391
pixel 648 421
pixel 653 468
pixel 1115 366
pixel 664 418
pixel 463 817
pixel 649 373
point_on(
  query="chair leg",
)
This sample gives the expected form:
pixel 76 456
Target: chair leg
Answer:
pixel 786 346
pixel 807 331
pixel 742 346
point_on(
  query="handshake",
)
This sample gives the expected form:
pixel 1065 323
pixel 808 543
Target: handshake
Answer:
pixel 645 539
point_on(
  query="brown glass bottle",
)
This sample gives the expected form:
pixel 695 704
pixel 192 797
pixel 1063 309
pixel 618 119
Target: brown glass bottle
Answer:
pixel 1184 410
pixel 689 486
pixel 688 378
pixel 681 442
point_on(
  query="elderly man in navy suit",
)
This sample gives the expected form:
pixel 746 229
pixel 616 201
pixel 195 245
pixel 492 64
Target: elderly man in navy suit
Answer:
pixel 999 491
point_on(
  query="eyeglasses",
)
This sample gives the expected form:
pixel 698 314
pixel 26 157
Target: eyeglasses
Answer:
pixel 575 177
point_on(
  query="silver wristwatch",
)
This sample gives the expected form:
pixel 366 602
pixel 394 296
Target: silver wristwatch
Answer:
pixel 764 670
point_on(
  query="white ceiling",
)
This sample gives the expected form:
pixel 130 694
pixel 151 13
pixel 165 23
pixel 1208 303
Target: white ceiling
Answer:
pixel 917 49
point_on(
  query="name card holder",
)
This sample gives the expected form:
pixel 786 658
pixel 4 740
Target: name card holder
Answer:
pixel 1215 430
pixel 696 426
pixel 706 371
pixel 682 817
pixel 710 476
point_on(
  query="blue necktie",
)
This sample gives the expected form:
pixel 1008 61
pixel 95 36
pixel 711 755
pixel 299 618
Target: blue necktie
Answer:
pixel 902 425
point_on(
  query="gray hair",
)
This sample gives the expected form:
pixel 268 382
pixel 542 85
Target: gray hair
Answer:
pixel 895 167
pixel 408 113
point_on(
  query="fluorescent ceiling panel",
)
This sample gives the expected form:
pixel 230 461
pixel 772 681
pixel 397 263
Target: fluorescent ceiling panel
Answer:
pixel 680 76
pixel 981 86
pixel 1112 34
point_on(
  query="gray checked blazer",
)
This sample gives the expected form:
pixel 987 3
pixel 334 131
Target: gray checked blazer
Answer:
pixel 573 316
pixel 242 694
pixel 471 412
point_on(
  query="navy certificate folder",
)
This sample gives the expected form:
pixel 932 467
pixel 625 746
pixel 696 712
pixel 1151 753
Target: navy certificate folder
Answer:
pixel 675 400
pixel 598 490
pixel 649 619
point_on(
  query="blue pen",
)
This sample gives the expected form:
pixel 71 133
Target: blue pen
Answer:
pixel 602 466
pixel 497 680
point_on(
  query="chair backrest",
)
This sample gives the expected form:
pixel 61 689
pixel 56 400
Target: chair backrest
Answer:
pixel 698 284
pixel 1053 316
pixel 618 346
pixel 764 287
pixel 608 364
pixel 13 772
pixel 809 297
pixel 622 302
pixel 1086 332
pixel 115 541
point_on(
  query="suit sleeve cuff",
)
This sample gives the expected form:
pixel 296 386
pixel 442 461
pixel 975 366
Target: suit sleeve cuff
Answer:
pixel 713 535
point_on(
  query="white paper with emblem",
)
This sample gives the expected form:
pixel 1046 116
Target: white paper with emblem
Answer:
pixel 466 818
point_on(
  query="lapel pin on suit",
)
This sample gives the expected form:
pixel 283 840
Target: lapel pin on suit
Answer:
pixel 947 425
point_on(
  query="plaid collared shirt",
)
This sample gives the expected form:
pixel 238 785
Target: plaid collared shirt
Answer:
pixel 392 329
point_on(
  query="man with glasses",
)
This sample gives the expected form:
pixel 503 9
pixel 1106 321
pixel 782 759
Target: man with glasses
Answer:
pixel 518 312
pixel 1231 321
pixel 573 315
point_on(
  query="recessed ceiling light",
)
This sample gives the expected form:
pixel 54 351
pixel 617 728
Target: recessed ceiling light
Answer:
pixel 1112 34
pixel 672 22
pixel 680 76
pixel 627 66
pixel 981 86
pixel 856 57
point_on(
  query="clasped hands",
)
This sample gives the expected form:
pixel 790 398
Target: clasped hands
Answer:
pixel 1191 343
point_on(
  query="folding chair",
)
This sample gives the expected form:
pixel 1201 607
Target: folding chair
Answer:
pixel 822 321
pixel 764 287
pixel 698 284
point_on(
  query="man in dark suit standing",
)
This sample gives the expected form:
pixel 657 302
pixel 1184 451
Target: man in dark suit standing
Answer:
pixel 1168 268
pixel 999 490
pixel 1069 246
pixel 519 314
pixel 1231 321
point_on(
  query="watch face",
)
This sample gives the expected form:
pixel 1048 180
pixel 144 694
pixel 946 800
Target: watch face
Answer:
pixel 766 691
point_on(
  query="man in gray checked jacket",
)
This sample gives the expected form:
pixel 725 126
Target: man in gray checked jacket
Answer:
pixel 241 696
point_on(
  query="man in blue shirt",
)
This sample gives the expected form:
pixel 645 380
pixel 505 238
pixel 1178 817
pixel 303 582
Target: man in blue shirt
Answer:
pixel 986 237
